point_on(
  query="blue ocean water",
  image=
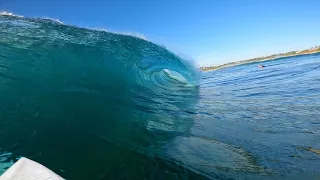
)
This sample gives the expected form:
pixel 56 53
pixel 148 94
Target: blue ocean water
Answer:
pixel 98 105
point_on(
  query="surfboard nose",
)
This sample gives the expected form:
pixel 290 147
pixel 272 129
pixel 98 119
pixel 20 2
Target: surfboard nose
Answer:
pixel 27 169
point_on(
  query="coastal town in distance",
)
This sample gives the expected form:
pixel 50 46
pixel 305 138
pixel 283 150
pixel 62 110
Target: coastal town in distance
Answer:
pixel 315 49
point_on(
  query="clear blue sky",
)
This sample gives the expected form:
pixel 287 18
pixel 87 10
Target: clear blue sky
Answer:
pixel 210 31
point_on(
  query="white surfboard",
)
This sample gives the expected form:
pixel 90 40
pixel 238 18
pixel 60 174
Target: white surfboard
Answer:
pixel 26 169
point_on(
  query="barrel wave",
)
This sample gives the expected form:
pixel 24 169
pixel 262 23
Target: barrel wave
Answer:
pixel 75 93
pixel 132 58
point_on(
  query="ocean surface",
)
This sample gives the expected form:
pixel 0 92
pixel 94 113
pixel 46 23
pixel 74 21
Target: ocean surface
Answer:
pixel 97 105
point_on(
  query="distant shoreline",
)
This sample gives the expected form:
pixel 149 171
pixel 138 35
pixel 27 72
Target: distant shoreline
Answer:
pixel 312 50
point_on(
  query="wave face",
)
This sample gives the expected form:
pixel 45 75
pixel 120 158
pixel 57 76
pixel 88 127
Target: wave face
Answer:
pixel 74 93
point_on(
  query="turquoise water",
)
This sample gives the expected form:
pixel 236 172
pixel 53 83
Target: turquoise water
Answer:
pixel 96 105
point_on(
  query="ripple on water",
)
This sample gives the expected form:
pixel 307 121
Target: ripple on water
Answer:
pixel 5 161
pixel 212 157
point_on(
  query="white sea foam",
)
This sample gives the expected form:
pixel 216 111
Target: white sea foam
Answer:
pixel 53 19
pixel 138 35
pixel 4 13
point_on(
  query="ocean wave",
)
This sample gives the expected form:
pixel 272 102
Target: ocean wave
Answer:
pixel 147 59
pixel 121 69
pixel 114 86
